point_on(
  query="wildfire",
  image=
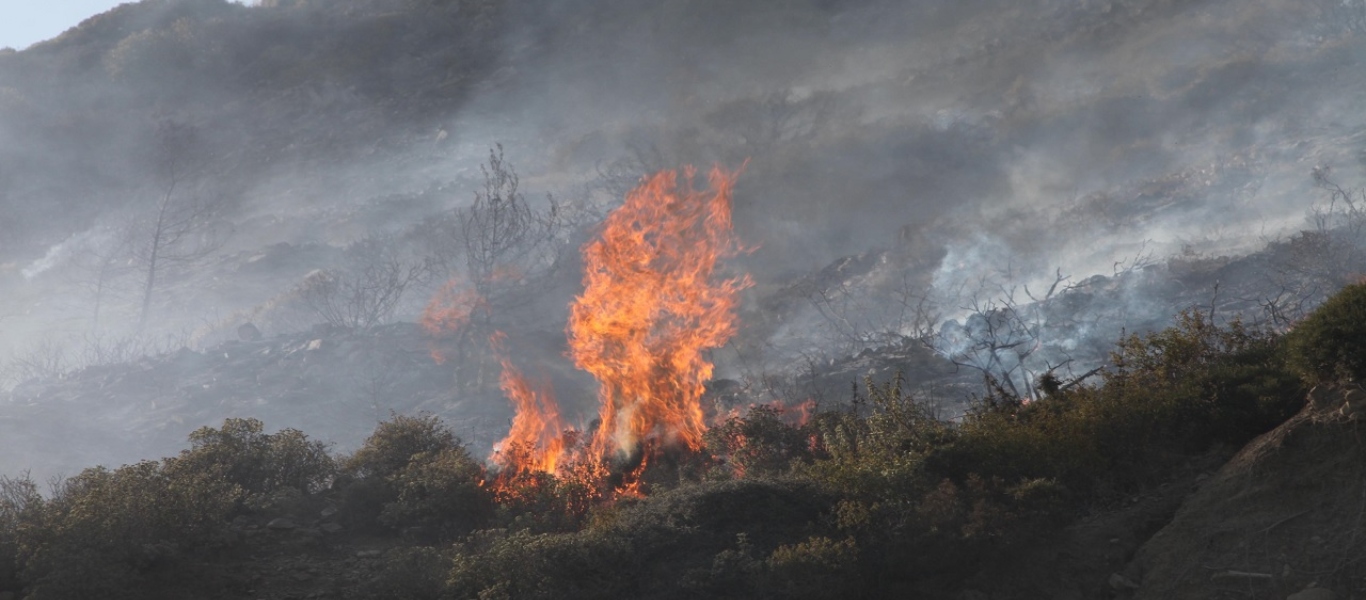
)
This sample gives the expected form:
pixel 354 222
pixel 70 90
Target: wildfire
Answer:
pixel 652 306
pixel 654 303
pixel 536 442
pixel 448 312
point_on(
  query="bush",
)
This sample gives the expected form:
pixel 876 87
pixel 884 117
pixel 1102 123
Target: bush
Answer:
pixel 408 573
pixel 394 444
pixel 259 463
pixel 816 568
pixel 413 473
pixel 759 443
pixel 106 533
pixel 19 505
pixel 502 566
pixel 1169 394
pixel 1330 344
pixel 440 494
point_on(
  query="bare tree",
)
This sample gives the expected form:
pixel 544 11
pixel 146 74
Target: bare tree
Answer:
pixel 1313 264
pixel 506 239
pixel 1008 336
pixel 859 313
pixel 45 360
pixel 182 225
pixel 368 290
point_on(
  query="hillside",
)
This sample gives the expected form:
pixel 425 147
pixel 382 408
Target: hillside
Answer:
pixel 601 298
pixel 1111 490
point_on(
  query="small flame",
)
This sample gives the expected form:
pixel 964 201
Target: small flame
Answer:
pixel 536 441
pixel 448 312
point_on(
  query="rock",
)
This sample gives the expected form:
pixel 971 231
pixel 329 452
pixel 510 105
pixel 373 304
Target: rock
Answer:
pixel 1313 593
pixel 1353 406
pixel 282 524
pixel 314 345
pixel 328 512
pixel 331 528
pixel 1120 583
pixel 368 554
pixel 248 332
pixel 1321 396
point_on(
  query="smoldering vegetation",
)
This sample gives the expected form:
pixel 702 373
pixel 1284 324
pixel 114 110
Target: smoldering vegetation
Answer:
pixel 950 189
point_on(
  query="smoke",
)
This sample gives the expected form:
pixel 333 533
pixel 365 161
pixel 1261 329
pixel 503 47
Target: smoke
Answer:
pixel 909 163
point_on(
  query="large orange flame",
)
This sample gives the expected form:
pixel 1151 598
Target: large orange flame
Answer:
pixel 653 306
pixel 654 303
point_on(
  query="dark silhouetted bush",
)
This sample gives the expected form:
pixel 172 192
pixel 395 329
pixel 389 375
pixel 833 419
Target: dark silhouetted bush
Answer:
pixel 109 534
pixel 395 442
pixel 413 474
pixel 1330 344
pixel 441 495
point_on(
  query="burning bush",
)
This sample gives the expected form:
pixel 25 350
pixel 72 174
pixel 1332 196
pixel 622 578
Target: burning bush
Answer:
pixel 654 303
pixel 761 442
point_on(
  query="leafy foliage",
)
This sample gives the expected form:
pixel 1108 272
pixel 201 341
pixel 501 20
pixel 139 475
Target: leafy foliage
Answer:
pixel 107 533
pixel 1331 343
pixel 759 443
pixel 412 473
pixel 258 463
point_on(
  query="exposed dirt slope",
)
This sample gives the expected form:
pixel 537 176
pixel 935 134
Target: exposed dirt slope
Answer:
pixel 1286 514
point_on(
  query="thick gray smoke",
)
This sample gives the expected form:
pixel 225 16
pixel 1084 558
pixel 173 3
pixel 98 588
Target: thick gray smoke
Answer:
pixel 938 175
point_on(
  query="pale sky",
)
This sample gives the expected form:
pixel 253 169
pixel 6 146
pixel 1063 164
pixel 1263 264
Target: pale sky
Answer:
pixel 24 22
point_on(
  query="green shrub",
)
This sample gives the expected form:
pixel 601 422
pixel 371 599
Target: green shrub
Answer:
pixel 1169 394
pixel 395 442
pixel 20 503
pixel 409 573
pixel 413 474
pixel 816 568
pixel 441 495
pixel 105 534
pixel 758 443
pixel 259 463
pixel 879 455
pixel 1330 344
pixel 522 565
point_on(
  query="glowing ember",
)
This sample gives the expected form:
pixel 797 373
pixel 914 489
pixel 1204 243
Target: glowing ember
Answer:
pixel 653 305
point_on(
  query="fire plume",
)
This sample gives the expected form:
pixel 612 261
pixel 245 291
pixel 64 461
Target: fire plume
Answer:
pixel 653 305
pixel 536 442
